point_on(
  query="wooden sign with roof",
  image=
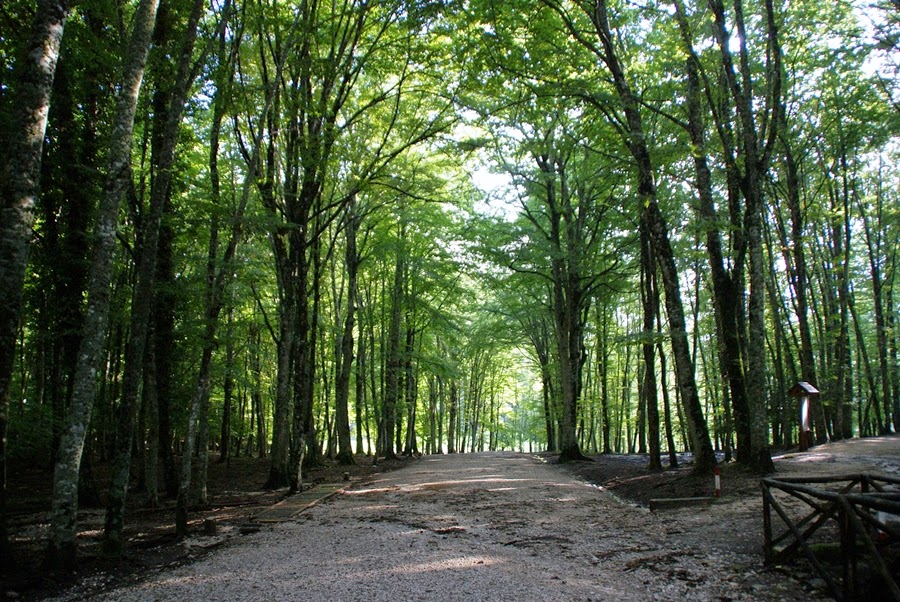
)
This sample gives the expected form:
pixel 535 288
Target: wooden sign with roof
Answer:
pixel 803 390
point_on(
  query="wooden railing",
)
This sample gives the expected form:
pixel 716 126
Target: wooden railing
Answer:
pixel 865 509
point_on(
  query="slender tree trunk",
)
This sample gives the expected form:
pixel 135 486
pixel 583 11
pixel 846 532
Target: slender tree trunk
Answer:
pixel 362 360
pixel 667 406
pixel 256 391
pixel 603 354
pixel 345 367
pixel 756 147
pixel 61 549
pixel 19 190
pixel 727 290
pixel 649 298
pixel 307 388
pixel 451 417
pixel 410 390
pixel 227 393
pixel 894 342
pixel 867 367
pixel 782 423
pixel 537 329
pixel 165 348
pixel 841 257
pixel 151 407
pixel 142 303
pixel 221 103
pixel 394 362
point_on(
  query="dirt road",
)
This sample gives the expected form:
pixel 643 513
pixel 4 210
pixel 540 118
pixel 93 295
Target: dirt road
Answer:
pixel 491 526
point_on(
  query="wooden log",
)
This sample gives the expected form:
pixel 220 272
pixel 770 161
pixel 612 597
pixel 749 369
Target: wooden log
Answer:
pixel 679 502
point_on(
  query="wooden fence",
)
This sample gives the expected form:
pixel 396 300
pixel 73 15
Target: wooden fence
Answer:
pixel 861 511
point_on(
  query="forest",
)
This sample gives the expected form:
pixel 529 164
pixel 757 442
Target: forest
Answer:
pixel 314 231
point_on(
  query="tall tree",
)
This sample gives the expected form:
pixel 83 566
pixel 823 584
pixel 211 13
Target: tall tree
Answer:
pixel 142 299
pixel 61 552
pixel 649 302
pixel 342 394
pixel 635 139
pixel 19 192
pixel 756 139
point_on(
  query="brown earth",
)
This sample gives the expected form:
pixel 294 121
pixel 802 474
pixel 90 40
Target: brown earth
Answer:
pixel 235 492
pixel 728 529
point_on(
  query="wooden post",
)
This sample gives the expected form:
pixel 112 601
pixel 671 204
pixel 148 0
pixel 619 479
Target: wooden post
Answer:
pixel 767 525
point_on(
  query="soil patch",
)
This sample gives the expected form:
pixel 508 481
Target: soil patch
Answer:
pixel 501 502
pixel 628 478
pixel 235 493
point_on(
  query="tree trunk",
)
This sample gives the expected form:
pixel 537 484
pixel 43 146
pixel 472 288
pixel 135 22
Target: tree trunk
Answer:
pixel 603 366
pixel 650 301
pixel 873 239
pixel 227 394
pixel 19 191
pixel 756 147
pixel 667 407
pixel 360 397
pixel 345 365
pixel 410 390
pixel 394 362
pixel 61 549
pixel 451 417
pixel 537 329
pixel 256 391
pixel 894 341
pixel 142 303
pixel 151 408
pixel 636 141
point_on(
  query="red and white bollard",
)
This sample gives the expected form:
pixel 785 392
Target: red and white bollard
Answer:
pixel 717 474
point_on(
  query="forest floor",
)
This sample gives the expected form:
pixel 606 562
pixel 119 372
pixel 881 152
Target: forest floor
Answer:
pixel 468 526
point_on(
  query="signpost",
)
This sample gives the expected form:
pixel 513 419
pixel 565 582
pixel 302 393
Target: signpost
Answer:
pixel 803 391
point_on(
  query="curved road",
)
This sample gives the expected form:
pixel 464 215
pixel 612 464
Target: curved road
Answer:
pixel 495 526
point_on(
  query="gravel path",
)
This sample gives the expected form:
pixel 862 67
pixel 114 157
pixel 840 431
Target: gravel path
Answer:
pixel 493 526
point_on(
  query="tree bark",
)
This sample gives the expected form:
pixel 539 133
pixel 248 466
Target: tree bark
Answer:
pixel 342 391
pixel 650 302
pixel 756 147
pixel 227 396
pixel 451 417
pixel 142 300
pixel 394 362
pixel 728 290
pixel 19 191
pixel 61 548
pixel 603 367
pixel 151 406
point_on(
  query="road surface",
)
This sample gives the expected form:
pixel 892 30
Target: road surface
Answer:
pixel 493 526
